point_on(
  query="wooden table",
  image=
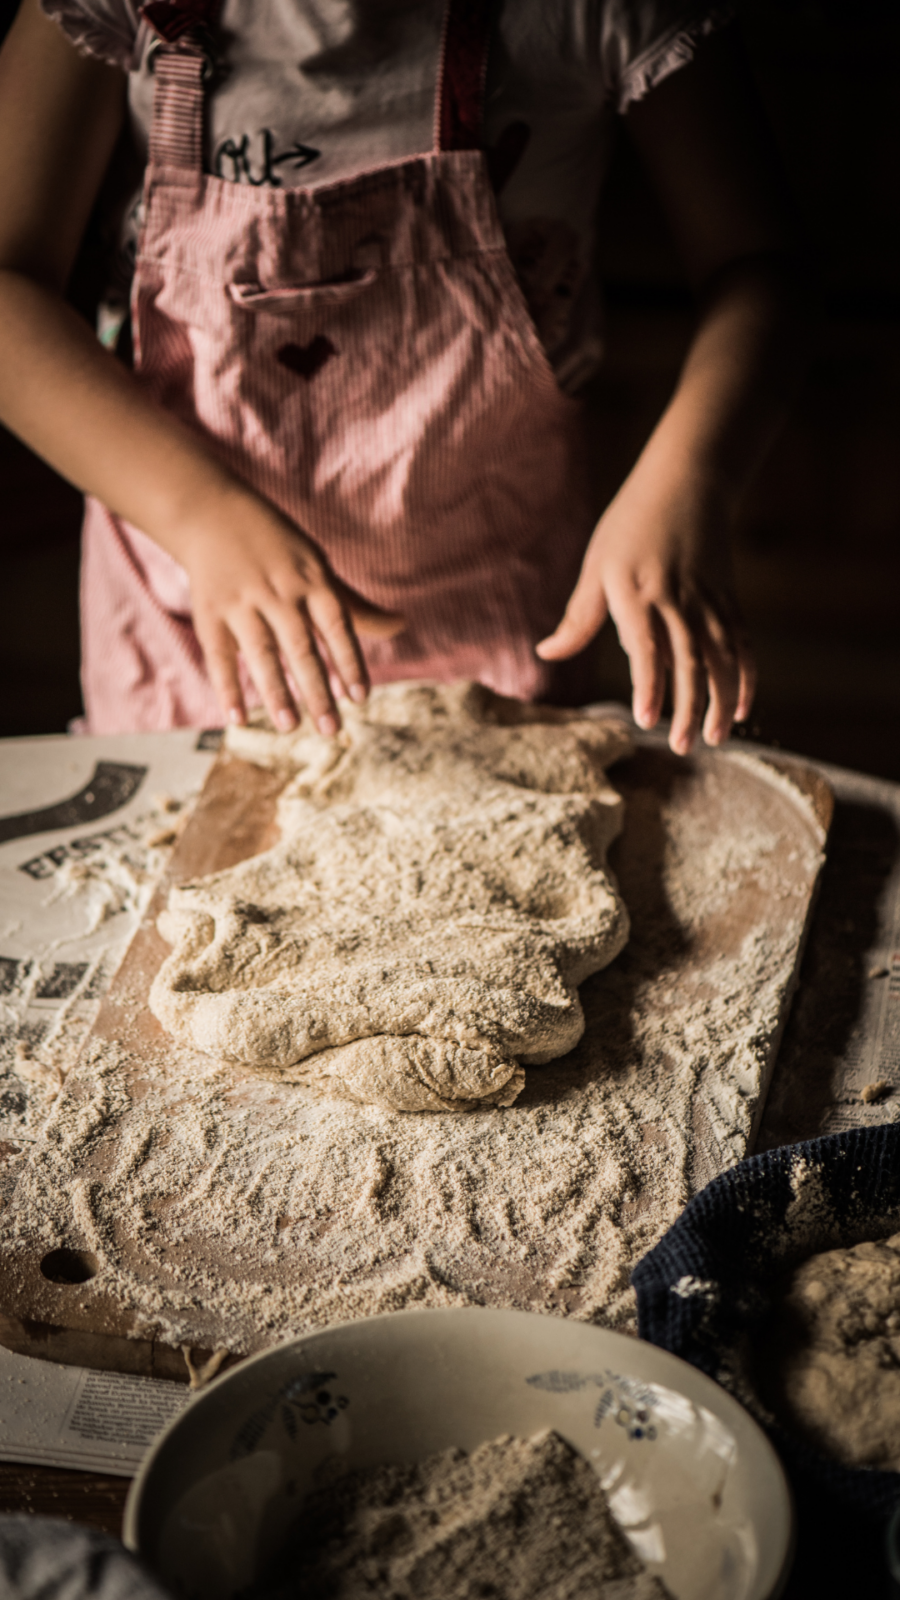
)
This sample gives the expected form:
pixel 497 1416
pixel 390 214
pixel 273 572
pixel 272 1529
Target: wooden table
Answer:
pixel 84 1497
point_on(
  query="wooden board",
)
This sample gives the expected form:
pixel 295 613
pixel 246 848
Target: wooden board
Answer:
pixel 49 1305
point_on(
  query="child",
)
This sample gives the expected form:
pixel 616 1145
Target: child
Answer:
pixel 349 449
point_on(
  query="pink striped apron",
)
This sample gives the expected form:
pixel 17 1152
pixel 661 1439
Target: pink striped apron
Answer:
pixel 362 355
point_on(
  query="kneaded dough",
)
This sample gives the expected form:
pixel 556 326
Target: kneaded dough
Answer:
pixel 836 1351
pixel 438 893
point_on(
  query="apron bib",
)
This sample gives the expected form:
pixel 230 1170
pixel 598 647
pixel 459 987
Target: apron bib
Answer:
pixel 362 355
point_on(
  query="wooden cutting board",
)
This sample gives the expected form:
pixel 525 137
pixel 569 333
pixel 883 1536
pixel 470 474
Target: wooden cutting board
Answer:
pixel 52 1300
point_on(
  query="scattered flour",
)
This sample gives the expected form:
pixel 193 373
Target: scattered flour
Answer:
pixel 48 1005
pixel 123 865
pixel 810 1215
pixel 518 1519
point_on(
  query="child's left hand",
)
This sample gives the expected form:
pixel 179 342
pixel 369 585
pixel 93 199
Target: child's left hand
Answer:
pixel 658 565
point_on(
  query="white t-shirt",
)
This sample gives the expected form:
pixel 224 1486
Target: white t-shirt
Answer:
pixel 311 91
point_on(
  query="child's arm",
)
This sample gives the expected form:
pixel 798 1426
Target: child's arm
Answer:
pixel 258 585
pixel 658 562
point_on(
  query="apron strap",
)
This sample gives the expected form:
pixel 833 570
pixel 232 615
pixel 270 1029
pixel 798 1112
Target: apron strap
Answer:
pixel 181 60
pixel 176 132
pixel 459 104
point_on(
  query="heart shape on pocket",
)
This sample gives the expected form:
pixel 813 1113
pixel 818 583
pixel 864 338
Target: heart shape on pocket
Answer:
pixel 307 359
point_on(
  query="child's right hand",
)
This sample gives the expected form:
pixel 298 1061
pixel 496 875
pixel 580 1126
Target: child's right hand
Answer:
pixel 262 589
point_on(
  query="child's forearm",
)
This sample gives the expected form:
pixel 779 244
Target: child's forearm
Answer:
pixel 744 364
pixel 86 414
pixel 69 399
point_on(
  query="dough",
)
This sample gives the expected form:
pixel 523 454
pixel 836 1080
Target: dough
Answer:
pixel 835 1353
pixel 518 1519
pixel 438 893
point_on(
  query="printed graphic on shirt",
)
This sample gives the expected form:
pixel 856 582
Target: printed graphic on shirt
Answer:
pixel 255 160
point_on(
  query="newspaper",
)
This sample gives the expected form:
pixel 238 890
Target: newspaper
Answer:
pixel 86 826
pixel 57 1416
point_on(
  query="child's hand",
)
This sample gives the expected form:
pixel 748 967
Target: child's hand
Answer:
pixel 658 565
pixel 261 588
pixel 658 562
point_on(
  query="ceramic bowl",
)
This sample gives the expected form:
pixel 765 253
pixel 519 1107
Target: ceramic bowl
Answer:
pixel 693 1481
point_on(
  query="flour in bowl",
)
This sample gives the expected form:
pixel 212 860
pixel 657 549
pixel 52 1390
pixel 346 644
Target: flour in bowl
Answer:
pixel 518 1519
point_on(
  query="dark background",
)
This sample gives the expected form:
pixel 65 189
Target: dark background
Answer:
pixel 818 547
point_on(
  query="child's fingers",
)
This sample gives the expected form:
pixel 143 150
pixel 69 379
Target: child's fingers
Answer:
pixel 295 639
pixel 746 672
pixel 373 622
pixel 221 657
pixel 333 626
pixel 365 617
pixel 638 630
pixel 732 668
pixel 688 680
pixel 260 652
pixel 723 675
pixel 584 616
pixel 378 625
pixel 263 660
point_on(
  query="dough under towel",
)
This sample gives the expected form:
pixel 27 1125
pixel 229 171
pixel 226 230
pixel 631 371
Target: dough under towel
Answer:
pixel 438 892
pixel 831 1364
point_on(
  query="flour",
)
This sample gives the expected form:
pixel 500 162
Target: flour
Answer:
pixel 518 1519
pixel 123 865
pixel 809 1218
pixel 230 1208
pixel 436 897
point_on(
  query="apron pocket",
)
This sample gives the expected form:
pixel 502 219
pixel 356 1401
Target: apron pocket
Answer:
pixel 330 291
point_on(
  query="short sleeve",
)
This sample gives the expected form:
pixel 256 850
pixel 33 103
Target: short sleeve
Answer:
pixel 107 29
pixel 643 41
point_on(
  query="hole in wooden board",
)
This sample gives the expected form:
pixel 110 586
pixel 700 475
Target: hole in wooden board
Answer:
pixel 65 1266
